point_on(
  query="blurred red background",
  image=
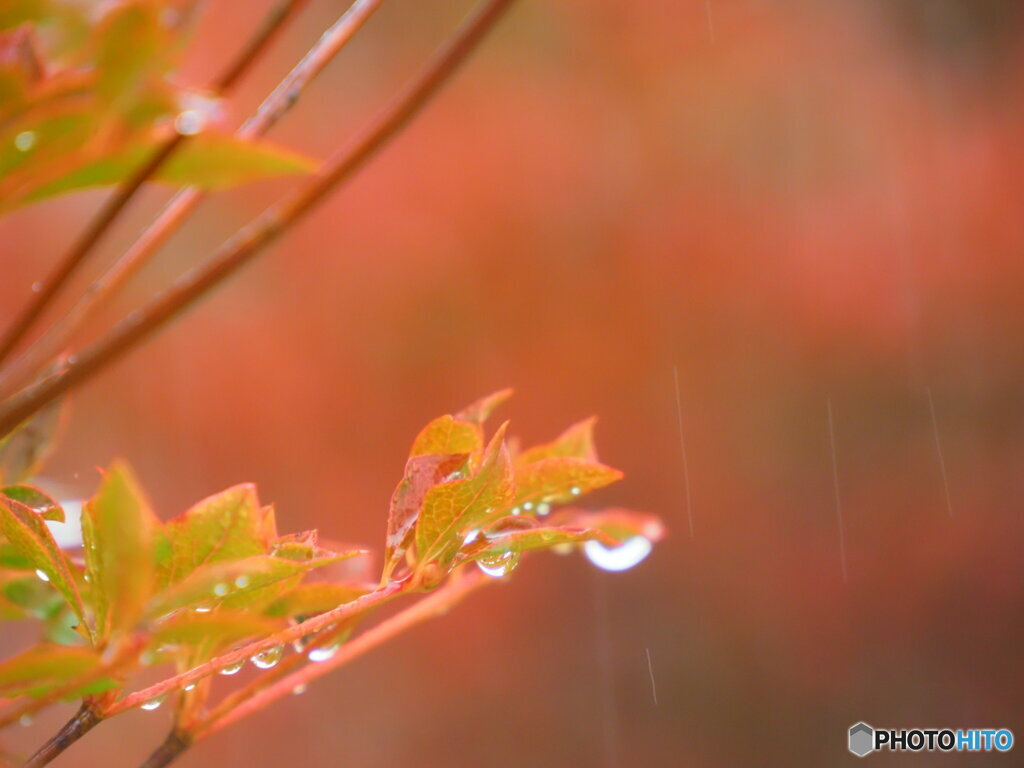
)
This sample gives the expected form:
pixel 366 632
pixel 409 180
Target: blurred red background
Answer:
pixel 789 204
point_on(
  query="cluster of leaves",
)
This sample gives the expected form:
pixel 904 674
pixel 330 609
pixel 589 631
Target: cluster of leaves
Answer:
pixel 87 94
pixel 220 574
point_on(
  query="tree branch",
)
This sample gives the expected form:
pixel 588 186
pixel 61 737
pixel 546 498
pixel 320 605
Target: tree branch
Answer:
pixel 273 108
pixel 112 208
pixel 315 624
pixel 259 233
pixel 435 604
pixel 170 750
pixel 84 721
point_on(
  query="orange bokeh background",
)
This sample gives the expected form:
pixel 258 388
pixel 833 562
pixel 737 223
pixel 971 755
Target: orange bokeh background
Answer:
pixel 789 205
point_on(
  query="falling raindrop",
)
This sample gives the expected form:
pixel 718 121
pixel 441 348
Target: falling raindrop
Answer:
pixel 498 564
pixel 323 654
pixel 42 575
pixel 233 669
pixel 268 657
pixel 620 558
pixel 25 140
pixel 153 703
pixel 220 590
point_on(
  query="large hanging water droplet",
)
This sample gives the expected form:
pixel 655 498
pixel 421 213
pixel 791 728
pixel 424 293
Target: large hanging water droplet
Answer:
pixel 232 669
pixel 620 558
pixel 498 564
pixel 268 657
pixel 323 654
pixel 42 575
pixel 153 703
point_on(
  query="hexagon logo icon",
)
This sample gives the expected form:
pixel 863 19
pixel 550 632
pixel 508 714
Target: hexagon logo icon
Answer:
pixel 862 739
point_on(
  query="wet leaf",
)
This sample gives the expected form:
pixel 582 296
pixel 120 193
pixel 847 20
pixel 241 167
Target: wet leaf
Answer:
pixel 213 630
pixel 209 160
pixel 39 670
pixel 421 474
pixel 451 509
pixel 118 530
pixel 27 532
pixel 311 599
pixel 447 435
pixel 560 479
pixel 575 442
pixel 618 523
pixel 23 451
pixel 41 503
pixel 253 582
pixel 227 526
pixel 131 45
pixel 478 412
pixel 32 596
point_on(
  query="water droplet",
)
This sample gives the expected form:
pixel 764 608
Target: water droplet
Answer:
pixel 575 490
pixel 202 609
pixel 543 509
pixel 528 505
pixel 37 287
pixel 25 721
pixel 153 703
pixel 25 140
pixel 146 658
pixel 471 536
pixel 300 689
pixel 268 658
pixel 42 575
pixel 242 581
pixel 220 590
pixel 299 645
pixel 620 558
pixel 190 687
pixel 514 511
pixel 233 669
pixel 71 360
pixel 498 564
pixel 323 654
pixel 189 122
pixel 85 575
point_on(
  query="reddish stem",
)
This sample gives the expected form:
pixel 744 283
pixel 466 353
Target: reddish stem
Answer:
pixel 435 604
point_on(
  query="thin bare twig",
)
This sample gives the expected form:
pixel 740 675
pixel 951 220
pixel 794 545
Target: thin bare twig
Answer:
pixel 172 748
pixel 116 203
pixel 259 233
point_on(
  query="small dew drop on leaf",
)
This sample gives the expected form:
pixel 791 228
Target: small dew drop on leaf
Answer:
pixel 575 490
pixel 153 703
pixel 42 575
pixel 190 687
pixel 189 122
pixel 220 590
pixel 323 654
pixel 25 721
pixel 543 509
pixel 620 558
pixel 298 690
pixel 233 669
pixel 37 287
pixel 25 140
pixel 499 564
pixel 202 609
pixel 242 581
pixel 268 658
